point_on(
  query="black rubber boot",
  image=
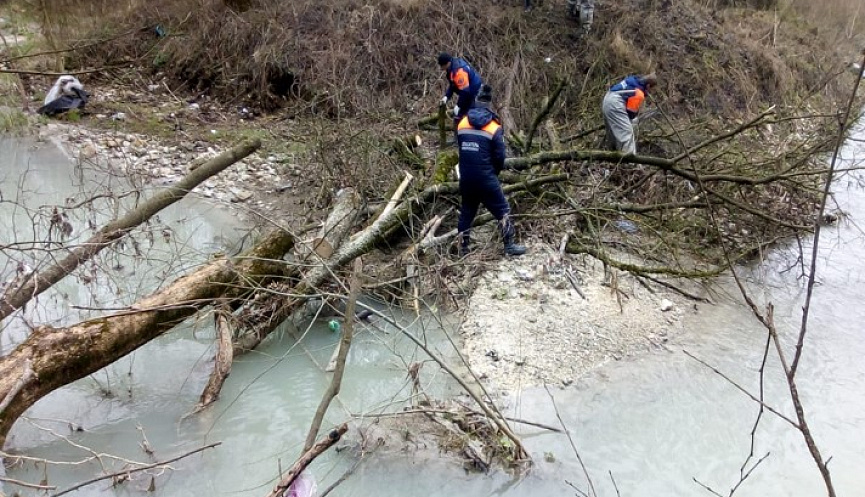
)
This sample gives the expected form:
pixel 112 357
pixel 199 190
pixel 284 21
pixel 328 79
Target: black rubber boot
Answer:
pixel 465 241
pixel 514 249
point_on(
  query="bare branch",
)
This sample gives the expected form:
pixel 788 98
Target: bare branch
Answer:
pixel 15 298
pixel 344 344
pixel 135 470
pixel 322 445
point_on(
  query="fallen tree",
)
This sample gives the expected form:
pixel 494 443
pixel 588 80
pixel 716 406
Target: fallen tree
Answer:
pixel 53 357
pixel 15 297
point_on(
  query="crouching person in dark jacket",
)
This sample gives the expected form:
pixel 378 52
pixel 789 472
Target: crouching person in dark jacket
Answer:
pixel 462 80
pixel 482 157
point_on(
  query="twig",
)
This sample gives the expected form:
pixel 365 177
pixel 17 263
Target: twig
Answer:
pixel 676 289
pixel 571 440
pixel 545 111
pixel 396 195
pixel 748 125
pixel 26 376
pixel 562 245
pixel 619 494
pixel 742 389
pixel 26 484
pixel 322 445
pixel 350 471
pixel 582 134
pixel 57 74
pixel 135 470
pixel 445 411
pixel 818 216
pixel 70 49
pixel 442 119
pixel 573 282
pixel 339 370
pixel 707 488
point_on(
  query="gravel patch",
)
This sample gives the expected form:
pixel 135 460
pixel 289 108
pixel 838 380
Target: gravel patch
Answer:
pixel 527 324
pixel 159 162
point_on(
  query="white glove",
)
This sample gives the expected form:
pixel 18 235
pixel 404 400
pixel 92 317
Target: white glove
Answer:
pixel 444 100
pixel 456 110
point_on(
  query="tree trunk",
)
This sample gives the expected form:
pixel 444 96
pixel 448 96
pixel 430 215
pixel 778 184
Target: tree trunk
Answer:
pixel 59 356
pixel 297 468
pixel 336 228
pixel 360 243
pixel 339 222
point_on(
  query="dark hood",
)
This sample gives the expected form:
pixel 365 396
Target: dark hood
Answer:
pixel 480 117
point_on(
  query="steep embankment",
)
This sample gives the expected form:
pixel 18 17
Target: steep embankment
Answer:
pixel 376 57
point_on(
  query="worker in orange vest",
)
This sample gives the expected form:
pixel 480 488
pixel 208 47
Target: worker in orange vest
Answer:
pixel 621 105
pixel 462 80
pixel 481 141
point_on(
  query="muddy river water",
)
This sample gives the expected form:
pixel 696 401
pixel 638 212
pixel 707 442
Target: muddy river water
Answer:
pixel 643 426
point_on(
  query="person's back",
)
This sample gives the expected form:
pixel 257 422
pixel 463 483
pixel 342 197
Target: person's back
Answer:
pixel 481 145
pixel 621 105
pixel 462 79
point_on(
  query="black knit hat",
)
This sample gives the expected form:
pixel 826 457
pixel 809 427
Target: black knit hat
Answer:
pixel 444 58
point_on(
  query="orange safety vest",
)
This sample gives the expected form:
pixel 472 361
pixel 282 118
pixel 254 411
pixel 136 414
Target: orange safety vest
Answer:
pixel 464 127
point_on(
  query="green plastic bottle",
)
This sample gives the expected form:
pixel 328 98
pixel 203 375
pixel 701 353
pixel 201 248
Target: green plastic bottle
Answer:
pixel 334 325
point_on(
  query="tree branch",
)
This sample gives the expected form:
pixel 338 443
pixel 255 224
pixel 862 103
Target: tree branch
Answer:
pixel 15 298
pixel 135 470
pixel 322 445
pixel 545 111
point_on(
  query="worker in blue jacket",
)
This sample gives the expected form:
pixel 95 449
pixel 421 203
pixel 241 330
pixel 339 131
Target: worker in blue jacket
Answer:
pixel 481 141
pixel 462 80
pixel 621 105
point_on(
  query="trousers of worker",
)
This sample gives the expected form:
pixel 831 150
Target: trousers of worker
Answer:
pixel 620 129
pixel 477 191
pixel 584 11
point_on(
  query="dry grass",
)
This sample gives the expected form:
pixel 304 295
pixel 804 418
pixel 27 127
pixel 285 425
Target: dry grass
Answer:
pixel 373 61
pixel 376 57
pixel 838 21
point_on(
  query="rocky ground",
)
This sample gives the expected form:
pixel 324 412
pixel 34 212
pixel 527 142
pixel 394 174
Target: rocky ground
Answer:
pixel 157 138
pixel 161 163
pixel 542 318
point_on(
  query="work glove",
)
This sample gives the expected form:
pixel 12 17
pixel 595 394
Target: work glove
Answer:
pixel 456 110
pixel 444 101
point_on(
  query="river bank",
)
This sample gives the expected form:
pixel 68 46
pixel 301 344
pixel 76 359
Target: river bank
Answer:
pixel 525 323
pixel 654 421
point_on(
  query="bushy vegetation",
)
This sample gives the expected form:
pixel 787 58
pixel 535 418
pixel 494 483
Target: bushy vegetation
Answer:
pixel 361 72
pixel 373 57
